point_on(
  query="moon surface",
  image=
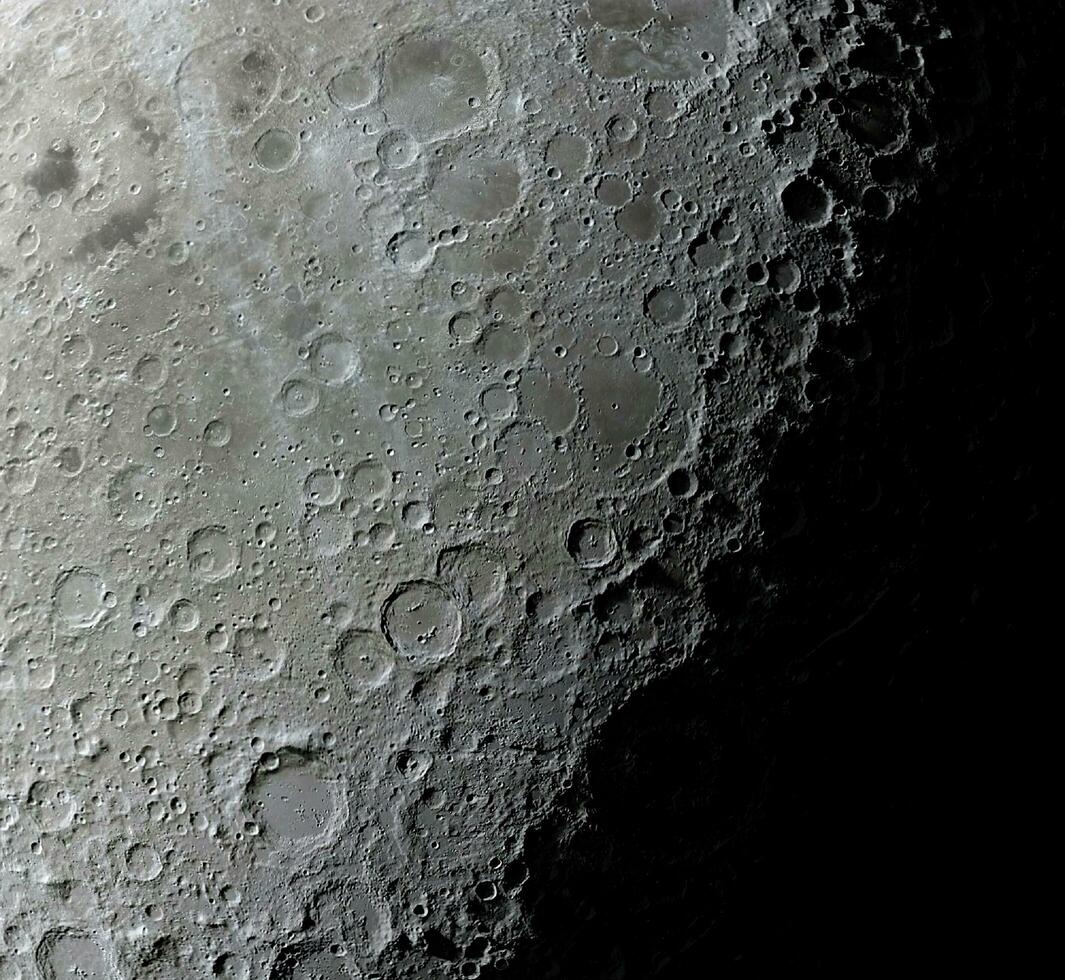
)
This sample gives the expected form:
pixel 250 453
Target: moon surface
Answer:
pixel 383 385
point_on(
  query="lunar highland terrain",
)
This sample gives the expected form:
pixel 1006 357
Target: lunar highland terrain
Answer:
pixel 504 488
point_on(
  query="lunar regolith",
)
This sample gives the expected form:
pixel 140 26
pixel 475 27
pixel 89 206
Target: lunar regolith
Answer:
pixel 400 401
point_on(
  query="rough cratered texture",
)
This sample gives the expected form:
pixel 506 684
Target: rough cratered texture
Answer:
pixel 414 414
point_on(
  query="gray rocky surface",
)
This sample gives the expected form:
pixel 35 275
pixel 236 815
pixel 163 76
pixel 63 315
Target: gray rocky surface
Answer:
pixel 397 396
